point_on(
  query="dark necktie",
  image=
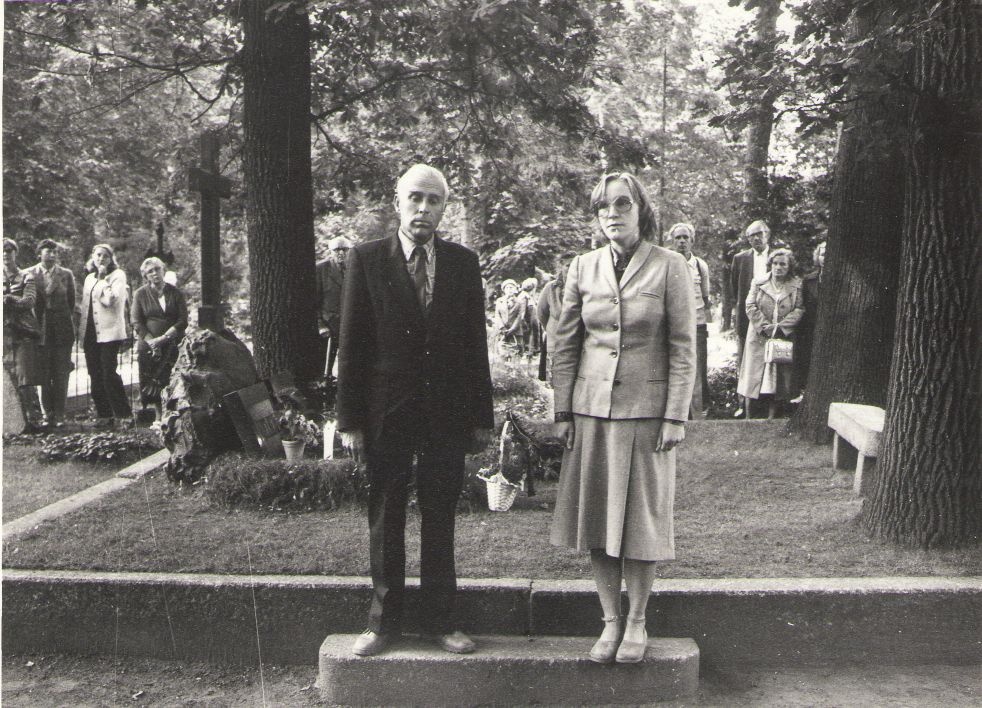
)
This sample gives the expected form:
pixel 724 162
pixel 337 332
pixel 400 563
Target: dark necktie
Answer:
pixel 620 265
pixel 417 269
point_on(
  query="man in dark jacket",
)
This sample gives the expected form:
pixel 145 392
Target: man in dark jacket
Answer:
pixel 330 281
pixel 413 380
pixel 56 315
pixel 748 266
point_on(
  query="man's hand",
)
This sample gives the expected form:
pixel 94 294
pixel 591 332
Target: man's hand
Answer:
pixel 566 432
pixel 480 440
pixel 353 441
pixel 670 435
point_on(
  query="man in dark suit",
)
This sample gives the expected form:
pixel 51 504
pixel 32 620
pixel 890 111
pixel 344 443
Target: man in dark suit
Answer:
pixel 748 265
pixel 413 380
pixel 330 279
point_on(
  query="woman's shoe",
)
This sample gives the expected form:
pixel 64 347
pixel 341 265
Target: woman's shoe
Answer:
pixel 633 652
pixel 604 650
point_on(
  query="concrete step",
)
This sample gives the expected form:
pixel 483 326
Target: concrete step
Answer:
pixel 505 670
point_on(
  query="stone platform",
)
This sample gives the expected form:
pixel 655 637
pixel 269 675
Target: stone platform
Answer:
pixel 506 670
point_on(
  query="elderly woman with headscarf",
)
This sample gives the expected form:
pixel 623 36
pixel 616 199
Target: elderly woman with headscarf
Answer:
pixel 624 365
pixel 159 315
pixel 20 335
pixel 103 333
pixel 774 307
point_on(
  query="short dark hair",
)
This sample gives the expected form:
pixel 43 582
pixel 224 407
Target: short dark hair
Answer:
pixel 48 243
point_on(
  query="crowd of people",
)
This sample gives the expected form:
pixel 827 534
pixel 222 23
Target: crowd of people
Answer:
pixel 44 317
pixel 622 330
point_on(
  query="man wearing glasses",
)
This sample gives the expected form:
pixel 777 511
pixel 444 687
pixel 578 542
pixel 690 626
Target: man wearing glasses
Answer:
pixel 748 265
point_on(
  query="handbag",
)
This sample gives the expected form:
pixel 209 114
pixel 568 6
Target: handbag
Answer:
pixel 778 351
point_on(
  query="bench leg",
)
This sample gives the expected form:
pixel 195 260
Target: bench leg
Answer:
pixel 864 475
pixel 843 454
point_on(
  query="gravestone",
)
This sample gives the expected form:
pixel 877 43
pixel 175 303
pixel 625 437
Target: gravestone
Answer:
pixel 195 426
pixel 255 419
pixel 212 187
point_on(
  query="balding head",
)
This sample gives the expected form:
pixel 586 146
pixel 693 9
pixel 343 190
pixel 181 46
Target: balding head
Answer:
pixel 758 234
pixel 421 196
pixel 423 175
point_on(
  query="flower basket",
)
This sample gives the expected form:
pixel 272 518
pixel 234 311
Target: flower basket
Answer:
pixel 501 492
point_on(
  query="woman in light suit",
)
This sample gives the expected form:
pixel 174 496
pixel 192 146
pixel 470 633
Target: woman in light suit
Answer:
pixel 102 331
pixel 624 366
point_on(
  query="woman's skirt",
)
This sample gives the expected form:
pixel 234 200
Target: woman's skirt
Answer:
pixel 615 492
pixel 155 368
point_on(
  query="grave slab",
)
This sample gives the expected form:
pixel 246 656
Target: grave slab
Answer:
pixel 513 670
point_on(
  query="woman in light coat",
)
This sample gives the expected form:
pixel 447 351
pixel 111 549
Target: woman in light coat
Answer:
pixel 774 307
pixel 102 332
pixel 624 365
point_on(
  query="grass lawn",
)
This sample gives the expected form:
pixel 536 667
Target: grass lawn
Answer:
pixel 29 483
pixel 751 502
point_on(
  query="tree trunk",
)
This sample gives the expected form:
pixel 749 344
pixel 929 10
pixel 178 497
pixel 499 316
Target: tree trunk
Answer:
pixel 279 200
pixel 759 131
pixel 854 324
pixel 928 488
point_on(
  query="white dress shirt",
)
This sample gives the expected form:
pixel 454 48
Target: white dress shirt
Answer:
pixel 760 263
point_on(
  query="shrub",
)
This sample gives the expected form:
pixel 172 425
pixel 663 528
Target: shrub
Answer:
pixel 512 382
pixel 722 391
pixel 235 480
pixel 100 447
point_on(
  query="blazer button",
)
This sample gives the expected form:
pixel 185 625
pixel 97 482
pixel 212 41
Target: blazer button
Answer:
pixel 617 301
pixel 613 354
pixel 616 326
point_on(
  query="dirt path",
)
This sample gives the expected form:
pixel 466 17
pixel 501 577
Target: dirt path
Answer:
pixel 37 682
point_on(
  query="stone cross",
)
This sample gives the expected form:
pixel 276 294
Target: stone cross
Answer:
pixel 213 187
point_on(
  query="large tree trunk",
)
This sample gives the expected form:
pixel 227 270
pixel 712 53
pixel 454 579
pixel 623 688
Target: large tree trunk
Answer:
pixel 853 335
pixel 279 203
pixel 759 131
pixel 928 487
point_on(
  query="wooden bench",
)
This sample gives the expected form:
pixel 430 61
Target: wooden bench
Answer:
pixel 860 426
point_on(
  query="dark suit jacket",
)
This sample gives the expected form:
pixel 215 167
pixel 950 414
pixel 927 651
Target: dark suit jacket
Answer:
pixel 55 307
pixel 804 334
pixel 741 278
pixel 394 358
pixel 330 281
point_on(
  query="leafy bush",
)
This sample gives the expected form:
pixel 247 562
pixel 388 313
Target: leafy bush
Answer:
pixel 235 480
pixel 722 391
pixel 100 447
pixel 512 382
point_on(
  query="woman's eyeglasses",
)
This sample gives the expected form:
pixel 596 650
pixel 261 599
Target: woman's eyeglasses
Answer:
pixel 621 205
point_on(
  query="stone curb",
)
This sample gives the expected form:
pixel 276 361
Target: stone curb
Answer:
pixel 735 622
pixel 124 478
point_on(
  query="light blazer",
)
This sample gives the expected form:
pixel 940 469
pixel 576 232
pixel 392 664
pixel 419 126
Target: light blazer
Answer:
pixel 108 298
pixel 626 351
pixel 391 352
